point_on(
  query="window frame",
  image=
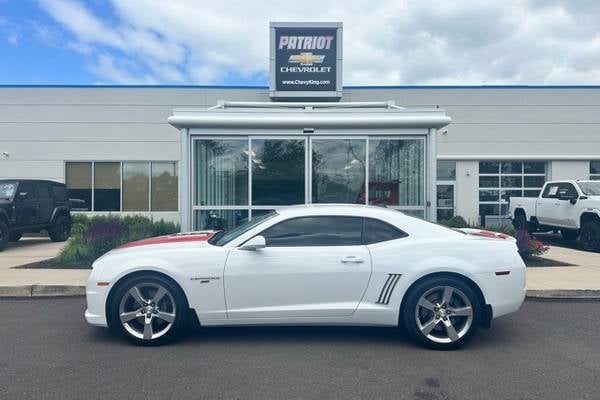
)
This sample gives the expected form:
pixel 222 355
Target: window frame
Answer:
pixel 403 233
pixel 594 176
pixel 121 162
pixel 501 203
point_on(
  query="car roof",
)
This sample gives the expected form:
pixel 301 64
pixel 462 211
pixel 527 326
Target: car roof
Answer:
pixel 360 210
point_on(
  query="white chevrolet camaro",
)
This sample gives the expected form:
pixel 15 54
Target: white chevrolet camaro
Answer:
pixel 311 265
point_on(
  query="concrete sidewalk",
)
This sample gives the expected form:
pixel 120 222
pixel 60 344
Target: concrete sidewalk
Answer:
pixel 580 281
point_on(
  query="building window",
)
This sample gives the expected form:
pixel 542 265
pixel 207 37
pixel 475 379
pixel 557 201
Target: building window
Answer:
pixel 136 186
pixel 501 180
pixel 164 186
pixel 78 176
pixel 595 170
pixel 446 182
pixel 122 186
pixel 107 186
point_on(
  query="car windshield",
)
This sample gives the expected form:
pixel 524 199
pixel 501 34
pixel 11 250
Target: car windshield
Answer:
pixel 590 188
pixel 7 190
pixel 221 238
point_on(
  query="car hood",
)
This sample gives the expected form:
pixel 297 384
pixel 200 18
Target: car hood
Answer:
pixel 197 237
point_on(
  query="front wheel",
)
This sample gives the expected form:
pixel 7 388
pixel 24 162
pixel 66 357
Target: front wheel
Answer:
pixel 148 310
pixel 590 236
pixel 442 313
pixel 4 235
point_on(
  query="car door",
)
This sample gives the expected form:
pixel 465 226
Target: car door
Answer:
pixel 566 212
pixel 45 203
pixel 314 266
pixel 25 205
pixel 546 205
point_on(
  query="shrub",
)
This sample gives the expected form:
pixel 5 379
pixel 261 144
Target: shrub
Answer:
pixel 529 246
pixel 93 236
pixel 455 222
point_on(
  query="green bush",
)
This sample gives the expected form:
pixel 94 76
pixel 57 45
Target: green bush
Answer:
pixel 455 222
pixel 93 236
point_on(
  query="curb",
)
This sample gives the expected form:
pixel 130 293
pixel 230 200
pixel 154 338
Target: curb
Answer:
pixel 42 291
pixel 590 294
pixel 74 290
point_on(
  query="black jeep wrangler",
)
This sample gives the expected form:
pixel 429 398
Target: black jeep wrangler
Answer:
pixel 33 206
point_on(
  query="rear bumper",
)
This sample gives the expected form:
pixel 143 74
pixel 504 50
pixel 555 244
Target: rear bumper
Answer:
pixel 505 294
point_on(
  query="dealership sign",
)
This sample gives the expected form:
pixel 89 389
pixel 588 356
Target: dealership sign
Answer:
pixel 306 60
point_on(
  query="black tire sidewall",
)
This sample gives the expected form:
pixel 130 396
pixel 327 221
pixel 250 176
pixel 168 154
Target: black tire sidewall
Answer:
pixel 56 233
pixel 181 316
pixel 408 311
pixel 4 235
pixel 594 227
pixel 15 237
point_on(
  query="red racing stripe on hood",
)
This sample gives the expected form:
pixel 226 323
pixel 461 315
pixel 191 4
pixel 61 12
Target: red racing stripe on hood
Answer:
pixel 177 238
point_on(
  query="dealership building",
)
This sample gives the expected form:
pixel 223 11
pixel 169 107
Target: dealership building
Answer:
pixel 211 156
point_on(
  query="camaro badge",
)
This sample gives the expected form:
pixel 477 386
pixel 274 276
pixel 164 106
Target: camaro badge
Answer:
pixel 306 59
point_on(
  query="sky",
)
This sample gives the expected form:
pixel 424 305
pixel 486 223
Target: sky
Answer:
pixel 225 42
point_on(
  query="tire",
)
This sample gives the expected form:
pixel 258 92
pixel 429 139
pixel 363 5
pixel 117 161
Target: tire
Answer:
pixel 61 229
pixel 425 313
pixel 15 236
pixel 4 235
pixel 590 236
pixel 569 234
pixel 155 323
pixel 520 221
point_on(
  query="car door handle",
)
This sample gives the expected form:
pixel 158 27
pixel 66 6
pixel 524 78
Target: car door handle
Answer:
pixel 352 260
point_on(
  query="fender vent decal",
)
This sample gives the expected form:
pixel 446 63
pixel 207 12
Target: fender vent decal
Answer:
pixel 388 288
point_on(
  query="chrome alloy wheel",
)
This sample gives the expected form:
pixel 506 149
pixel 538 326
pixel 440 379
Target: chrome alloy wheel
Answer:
pixel 147 311
pixel 444 314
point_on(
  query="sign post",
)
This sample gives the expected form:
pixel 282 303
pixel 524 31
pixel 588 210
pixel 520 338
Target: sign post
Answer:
pixel 306 61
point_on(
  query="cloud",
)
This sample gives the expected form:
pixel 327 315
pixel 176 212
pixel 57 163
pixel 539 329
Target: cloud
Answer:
pixel 385 42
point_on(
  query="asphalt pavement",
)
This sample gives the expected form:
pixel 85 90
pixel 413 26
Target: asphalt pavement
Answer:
pixel 549 350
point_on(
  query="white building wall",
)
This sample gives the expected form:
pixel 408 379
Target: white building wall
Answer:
pixel 42 127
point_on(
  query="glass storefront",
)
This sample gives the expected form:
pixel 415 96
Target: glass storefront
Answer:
pixel 235 178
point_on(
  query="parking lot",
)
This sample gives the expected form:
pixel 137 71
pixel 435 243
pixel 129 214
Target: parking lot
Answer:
pixel 545 351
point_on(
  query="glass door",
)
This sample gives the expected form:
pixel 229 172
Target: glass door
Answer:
pixel 445 201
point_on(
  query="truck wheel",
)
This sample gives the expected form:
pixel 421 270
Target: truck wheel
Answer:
pixel 520 221
pixel 3 235
pixel 569 234
pixel 61 229
pixel 590 236
pixel 15 236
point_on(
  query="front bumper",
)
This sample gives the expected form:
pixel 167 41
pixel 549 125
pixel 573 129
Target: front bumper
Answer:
pixel 96 303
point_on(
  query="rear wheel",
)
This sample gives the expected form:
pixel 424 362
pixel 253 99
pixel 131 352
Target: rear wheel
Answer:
pixel 568 234
pixel 148 310
pixel 4 236
pixel 442 313
pixel 61 229
pixel 590 236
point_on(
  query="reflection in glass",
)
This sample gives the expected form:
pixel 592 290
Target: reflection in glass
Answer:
pixel 338 167
pixel 136 186
pixel 396 172
pixel 107 186
pixel 219 219
pixel 446 170
pixel 278 171
pixel 164 186
pixel 445 196
pixel 79 184
pixel 221 172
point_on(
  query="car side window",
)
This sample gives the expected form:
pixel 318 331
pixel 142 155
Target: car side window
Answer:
pixel 42 192
pixel 550 191
pixel 59 193
pixel 26 188
pixel 375 231
pixel 567 189
pixel 315 231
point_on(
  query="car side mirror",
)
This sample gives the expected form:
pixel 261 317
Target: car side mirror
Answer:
pixel 573 200
pixel 257 242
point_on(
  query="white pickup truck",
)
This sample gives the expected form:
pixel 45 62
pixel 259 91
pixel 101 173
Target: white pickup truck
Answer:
pixel 571 207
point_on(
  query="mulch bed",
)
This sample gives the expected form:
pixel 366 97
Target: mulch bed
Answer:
pixel 537 262
pixel 52 263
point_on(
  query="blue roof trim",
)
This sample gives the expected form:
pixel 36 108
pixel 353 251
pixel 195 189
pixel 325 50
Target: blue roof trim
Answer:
pixel 345 87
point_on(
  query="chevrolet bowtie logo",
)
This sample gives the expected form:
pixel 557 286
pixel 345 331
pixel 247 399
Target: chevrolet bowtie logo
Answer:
pixel 306 59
